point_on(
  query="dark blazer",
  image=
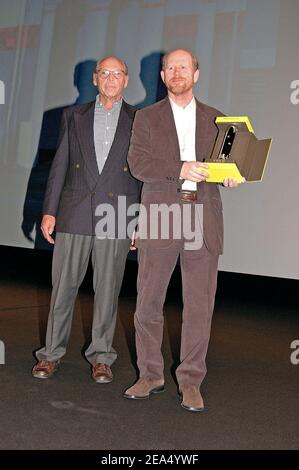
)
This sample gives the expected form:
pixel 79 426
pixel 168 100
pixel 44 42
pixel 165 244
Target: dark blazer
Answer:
pixel 75 188
pixel 154 158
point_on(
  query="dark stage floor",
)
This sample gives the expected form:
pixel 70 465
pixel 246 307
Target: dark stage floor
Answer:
pixel 251 390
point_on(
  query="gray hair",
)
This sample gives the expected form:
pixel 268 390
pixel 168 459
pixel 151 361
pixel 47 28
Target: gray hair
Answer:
pixel 124 65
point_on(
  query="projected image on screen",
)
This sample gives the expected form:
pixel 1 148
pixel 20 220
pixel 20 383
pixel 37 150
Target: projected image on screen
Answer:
pixel 247 51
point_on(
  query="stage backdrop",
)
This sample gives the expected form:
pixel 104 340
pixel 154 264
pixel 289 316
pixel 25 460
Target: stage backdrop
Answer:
pixel 248 53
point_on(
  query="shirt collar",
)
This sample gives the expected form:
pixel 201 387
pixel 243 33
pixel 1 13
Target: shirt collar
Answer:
pixel 115 106
pixel 190 106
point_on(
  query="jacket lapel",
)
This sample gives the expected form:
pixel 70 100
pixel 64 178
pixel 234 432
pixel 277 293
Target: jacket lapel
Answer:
pixel 202 138
pixel 84 126
pixel 169 129
pixel 121 137
pixel 201 133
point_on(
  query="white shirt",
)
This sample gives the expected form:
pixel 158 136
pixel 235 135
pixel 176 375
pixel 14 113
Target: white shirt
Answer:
pixel 185 123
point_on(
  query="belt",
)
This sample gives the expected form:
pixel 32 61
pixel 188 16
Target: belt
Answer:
pixel 187 196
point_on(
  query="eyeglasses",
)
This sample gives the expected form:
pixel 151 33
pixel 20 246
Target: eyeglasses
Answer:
pixel 104 73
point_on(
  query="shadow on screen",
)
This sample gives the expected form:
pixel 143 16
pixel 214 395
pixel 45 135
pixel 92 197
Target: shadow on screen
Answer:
pixel 155 89
pixel 32 209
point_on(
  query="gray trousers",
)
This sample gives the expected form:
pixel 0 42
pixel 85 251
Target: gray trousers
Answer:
pixel 70 261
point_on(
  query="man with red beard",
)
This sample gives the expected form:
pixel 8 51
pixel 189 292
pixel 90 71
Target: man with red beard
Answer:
pixel 169 143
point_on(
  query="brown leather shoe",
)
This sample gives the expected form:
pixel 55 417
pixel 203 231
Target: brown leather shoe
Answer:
pixel 143 388
pixel 45 369
pixel 191 398
pixel 102 374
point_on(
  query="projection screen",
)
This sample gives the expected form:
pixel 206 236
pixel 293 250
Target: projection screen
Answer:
pixel 248 51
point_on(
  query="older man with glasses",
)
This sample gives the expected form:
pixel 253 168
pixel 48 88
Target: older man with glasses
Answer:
pixel 89 169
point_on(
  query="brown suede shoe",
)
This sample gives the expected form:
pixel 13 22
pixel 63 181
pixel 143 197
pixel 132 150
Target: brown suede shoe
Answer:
pixel 143 388
pixel 102 374
pixel 191 398
pixel 45 369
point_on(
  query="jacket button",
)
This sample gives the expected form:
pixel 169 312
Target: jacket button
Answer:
pixel 77 165
pixel 125 168
pixel 110 194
